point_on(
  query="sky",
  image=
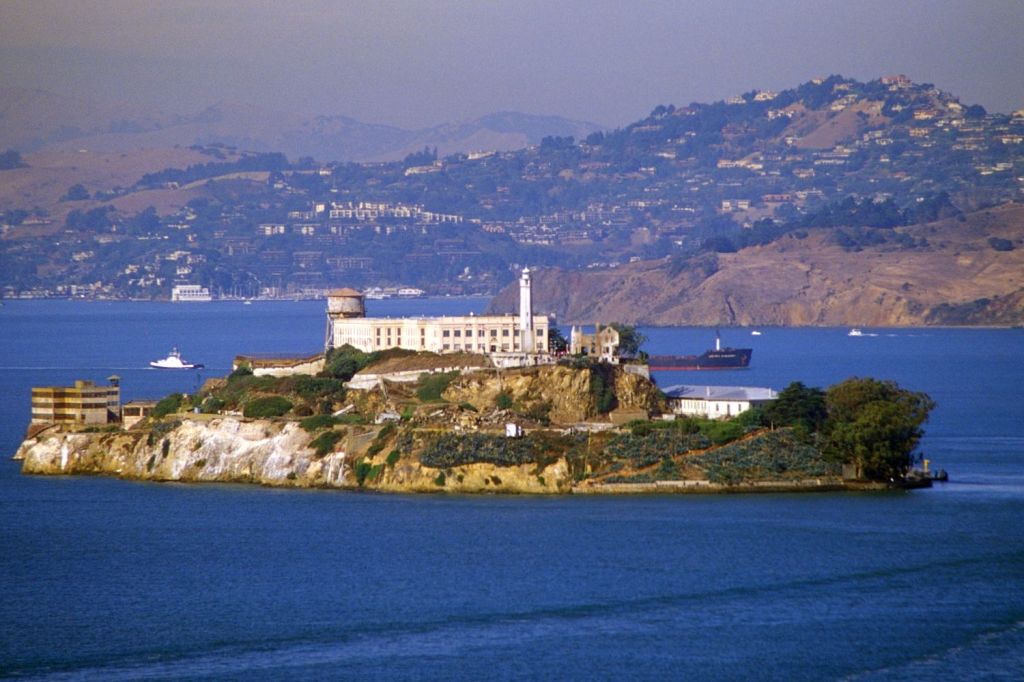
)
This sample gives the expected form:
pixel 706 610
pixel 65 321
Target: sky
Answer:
pixel 416 64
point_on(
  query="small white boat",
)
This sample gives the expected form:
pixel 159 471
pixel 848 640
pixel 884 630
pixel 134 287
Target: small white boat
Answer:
pixel 174 361
pixel 755 333
pixel 855 332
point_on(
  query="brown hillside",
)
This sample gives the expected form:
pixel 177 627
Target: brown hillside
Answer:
pixel 958 278
pixel 50 174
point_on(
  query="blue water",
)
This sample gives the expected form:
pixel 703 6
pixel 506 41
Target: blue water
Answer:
pixel 105 579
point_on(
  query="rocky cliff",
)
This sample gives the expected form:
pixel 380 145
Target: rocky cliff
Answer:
pixel 951 272
pixel 263 452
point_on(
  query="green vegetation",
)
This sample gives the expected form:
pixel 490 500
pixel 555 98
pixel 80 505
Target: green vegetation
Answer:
pixel 602 387
pixel 362 471
pixel 503 401
pixel 325 442
pixel 450 449
pixel 168 405
pixel 317 422
pixel 431 386
pixel 266 407
pixel 770 456
pixel 797 405
pixel 630 339
pixel 343 363
pixel 651 446
pixel 875 425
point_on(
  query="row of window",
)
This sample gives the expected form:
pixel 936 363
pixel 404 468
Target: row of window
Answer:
pixel 480 347
pixel 469 332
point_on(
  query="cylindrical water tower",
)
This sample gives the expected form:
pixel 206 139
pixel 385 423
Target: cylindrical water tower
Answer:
pixel 342 304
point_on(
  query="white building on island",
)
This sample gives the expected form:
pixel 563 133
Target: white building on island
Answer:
pixel 716 402
pixel 509 340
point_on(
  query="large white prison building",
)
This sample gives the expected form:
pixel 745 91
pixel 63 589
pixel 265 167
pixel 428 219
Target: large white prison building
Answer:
pixel 525 333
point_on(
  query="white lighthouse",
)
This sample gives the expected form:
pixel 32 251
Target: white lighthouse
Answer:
pixel 527 335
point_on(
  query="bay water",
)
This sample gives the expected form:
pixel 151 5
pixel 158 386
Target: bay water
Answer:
pixel 102 579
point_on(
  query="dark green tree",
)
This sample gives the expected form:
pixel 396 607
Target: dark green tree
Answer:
pixel 875 425
pixel 797 405
pixel 556 342
pixel 76 192
pixel 630 339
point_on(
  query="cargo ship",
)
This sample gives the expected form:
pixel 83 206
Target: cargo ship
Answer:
pixel 716 358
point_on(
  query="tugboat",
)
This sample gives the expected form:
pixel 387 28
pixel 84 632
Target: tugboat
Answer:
pixel 716 358
pixel 174 361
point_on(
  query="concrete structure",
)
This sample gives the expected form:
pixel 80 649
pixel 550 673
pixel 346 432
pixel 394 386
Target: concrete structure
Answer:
pixel 135 411
pixel 603 344
pixel 716 402
pixel 524 337
pixel 280 366
pixel 83 403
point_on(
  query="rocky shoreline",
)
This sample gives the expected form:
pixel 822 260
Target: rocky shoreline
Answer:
pixel 279 454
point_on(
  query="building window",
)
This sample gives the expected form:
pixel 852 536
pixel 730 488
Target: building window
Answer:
pixel 504 332
pixel 540 332
pixel 446 347
pixel 469 332
pixel 458 332
pixel 445 334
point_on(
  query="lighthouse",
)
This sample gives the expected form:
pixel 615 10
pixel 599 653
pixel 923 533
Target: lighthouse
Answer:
pixel 527 335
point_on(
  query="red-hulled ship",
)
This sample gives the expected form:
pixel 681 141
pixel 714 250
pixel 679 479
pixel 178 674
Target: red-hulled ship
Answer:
pixel 716 358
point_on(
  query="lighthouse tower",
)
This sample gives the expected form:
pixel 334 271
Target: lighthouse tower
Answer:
pixel 527 334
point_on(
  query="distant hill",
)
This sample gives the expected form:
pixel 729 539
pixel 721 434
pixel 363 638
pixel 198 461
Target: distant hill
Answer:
pixel 956 275
pixel 37 120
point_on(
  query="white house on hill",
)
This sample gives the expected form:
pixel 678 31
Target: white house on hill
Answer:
pixel 716 402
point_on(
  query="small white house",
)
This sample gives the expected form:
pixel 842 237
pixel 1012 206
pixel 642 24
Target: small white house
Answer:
pixel 716 402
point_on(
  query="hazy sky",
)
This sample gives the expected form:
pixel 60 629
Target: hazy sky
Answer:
pixel 416 64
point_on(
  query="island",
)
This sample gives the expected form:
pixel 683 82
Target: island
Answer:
pixel 412 422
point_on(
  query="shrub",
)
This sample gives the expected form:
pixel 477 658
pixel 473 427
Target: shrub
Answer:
pixel 317 422
pixel 722 432
pixel 241 371
pixel 450 450
pixel 325 442
pixel 602 387
pixel 503 401
pixel 342 363
pixel 212 405
pixel 431 386
pixel 439 481
pixel 267 406
pixel 393 458
pixel 772 455
pixel 539 412
pixel 362 470
pixel 314 388
pixel 168 405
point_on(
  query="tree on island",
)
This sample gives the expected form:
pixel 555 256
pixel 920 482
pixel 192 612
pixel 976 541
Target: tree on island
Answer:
pixel 799 406
pixel 875 425
pixel 630 339
pixel 556 341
